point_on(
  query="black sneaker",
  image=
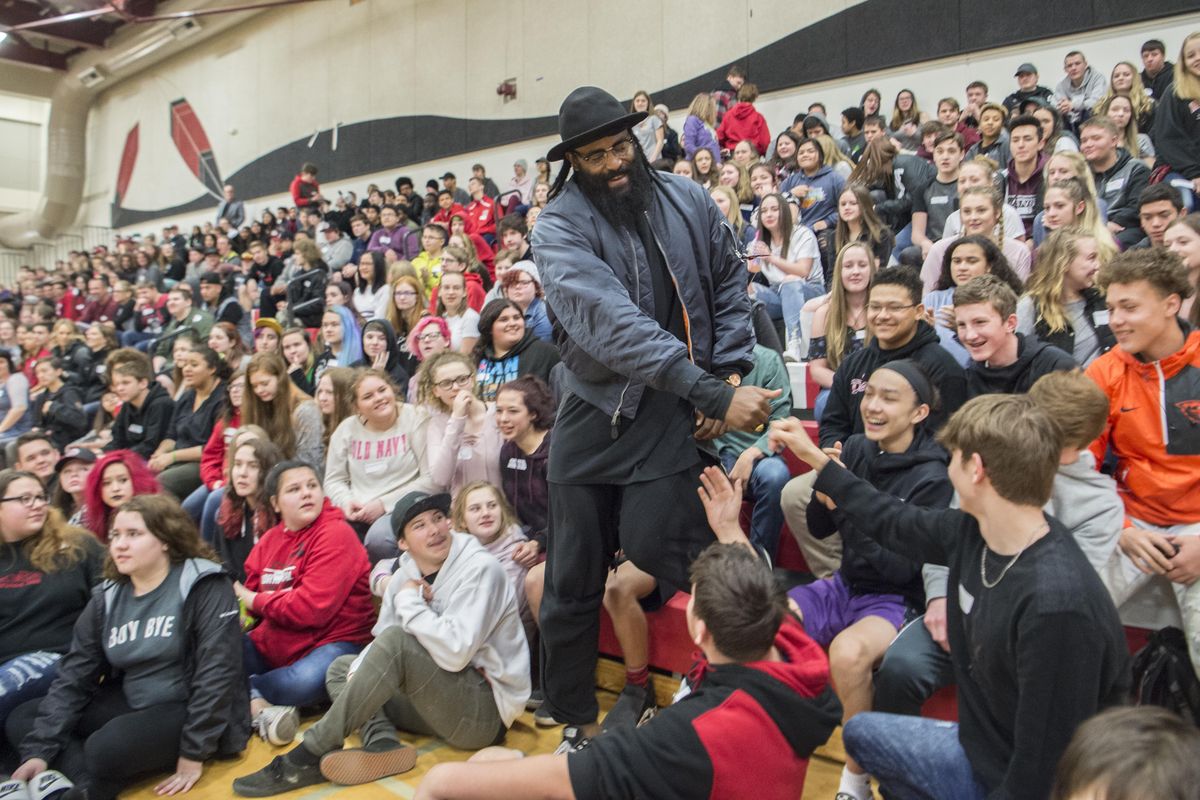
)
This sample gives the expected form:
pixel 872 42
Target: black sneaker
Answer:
pixel 536 698
pixel 278 777
pixel 635 706
pixel 574 739
pixel 544 719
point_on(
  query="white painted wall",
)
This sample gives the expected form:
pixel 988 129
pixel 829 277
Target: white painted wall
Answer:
pixel 291 72
pixel 22 150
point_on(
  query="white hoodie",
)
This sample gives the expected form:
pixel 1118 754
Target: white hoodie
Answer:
pixel 473 620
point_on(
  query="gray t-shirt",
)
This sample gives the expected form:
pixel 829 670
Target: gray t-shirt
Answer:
pixel 644 131
pixel 145 641
pixel 939 201
pixel 1087 345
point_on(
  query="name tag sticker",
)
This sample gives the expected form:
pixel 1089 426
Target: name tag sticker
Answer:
pixel 375 467
pixel 1100 317
pixel 1114 186
pixel 965 601
pixel 941 200
pixel 860 335
pixel 135 428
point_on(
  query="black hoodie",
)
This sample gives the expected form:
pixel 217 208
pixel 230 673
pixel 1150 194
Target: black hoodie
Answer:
pixel 395 366
pixel 523 478
pixel 916 476
pixel 1120 186
pixel 1034 359
pixel 842 418
pixel 530 356
pixel 65 422
pixel 142 429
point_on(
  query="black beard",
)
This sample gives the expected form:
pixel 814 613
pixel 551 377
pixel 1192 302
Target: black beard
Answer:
pixel 621 207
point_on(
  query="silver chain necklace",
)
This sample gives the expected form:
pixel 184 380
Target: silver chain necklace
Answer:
pixel 1008 566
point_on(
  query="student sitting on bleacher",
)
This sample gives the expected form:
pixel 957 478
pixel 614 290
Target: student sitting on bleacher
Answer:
pixel 856 613
pixel 1035 640
pixel 1150 380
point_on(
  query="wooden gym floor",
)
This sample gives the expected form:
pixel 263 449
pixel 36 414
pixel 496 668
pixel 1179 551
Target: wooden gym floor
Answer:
pixel 824 769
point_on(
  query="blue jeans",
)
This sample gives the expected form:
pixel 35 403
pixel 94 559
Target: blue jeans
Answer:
pixel 913 758
pixel 25 677
pixel 193 504
pixel 301 683
pixel 137 339
pixel 903 240
pixel 785 301
pixel 767 479
pixel 208 517
pixel 819 404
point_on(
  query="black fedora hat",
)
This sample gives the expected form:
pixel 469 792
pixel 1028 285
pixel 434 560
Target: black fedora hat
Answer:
pixel 588 114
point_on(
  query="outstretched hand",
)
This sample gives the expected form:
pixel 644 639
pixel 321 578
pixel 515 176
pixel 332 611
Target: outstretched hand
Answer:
pixel 750 408
pixel 790 433
pixel 722 501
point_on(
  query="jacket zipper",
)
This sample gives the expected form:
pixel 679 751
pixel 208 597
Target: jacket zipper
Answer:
pixel 615 425
pixel 687 319
pixel 1162 402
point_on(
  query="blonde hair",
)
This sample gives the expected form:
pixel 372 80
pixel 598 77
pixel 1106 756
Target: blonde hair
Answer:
pixel 704 108
pixel 1128 136
pixel 1090 220
pixel 1055 256
pixel 1138 99
pixel 837 317
pixel 831 154
pixel 403 322
pixel 1187 85
pixel 734 217
pixel 458 509
pixel 742 190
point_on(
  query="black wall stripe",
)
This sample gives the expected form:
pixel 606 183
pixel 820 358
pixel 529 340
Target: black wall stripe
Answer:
pixel 875 35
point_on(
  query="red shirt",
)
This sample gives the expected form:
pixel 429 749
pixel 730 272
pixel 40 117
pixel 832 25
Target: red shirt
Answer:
pixel 482 215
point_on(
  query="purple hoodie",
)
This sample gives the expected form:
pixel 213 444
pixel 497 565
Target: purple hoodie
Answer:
pixel 696 135
pixel 401 240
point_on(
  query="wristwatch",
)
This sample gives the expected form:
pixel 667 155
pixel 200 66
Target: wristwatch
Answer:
pixel 734 380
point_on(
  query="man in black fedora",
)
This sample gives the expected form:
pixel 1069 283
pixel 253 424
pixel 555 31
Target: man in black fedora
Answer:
pixel 646 283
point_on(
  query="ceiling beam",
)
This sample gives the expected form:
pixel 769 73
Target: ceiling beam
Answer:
pixel 90 33
pixel 16 49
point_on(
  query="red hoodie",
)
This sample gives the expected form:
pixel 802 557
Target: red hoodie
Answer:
pixel 212 459
pixel 312 587
pixel 475 293
pixel 743 122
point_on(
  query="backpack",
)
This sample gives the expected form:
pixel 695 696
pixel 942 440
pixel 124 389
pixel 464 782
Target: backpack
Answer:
pixel 1163 675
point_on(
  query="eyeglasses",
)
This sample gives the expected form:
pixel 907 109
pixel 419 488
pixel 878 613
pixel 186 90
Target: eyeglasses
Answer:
pixel 524 282
pixel 27 500
pixel 430 337
pixel 406 293
pixel 623 150
pixel 453 383
pixel 891 308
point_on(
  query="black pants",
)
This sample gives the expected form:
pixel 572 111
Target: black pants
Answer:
pixel 113 745
pixel 660 525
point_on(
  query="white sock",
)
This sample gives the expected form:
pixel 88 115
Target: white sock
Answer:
pixel 854 785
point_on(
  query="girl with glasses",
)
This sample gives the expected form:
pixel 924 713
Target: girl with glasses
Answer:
pixel 462 441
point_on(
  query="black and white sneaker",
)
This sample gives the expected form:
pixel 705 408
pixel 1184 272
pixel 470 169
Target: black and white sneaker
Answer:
pixel 536 698
pixel 280 776
pixel 635 706
pixel 14 790
pixel 53 785
pixel 574 740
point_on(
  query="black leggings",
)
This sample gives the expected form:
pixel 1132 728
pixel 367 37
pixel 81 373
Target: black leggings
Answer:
pixel 113 745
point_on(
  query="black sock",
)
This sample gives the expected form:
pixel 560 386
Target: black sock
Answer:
pixel 300 756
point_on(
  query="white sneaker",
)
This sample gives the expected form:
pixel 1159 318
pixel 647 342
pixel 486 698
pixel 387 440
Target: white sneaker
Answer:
pixel 277 725
pixel 14 790
pixel 49 785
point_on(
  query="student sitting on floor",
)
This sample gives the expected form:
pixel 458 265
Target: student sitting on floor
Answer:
pixel 1035 639
pixel 449 659
pixel 857 612
pixel 759 703
pixel 163 634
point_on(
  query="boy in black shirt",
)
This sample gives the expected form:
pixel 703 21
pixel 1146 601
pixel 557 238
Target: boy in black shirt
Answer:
pixel 146 408
pixel 1036 642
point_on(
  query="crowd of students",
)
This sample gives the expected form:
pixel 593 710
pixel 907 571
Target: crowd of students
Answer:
pixel 300 461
